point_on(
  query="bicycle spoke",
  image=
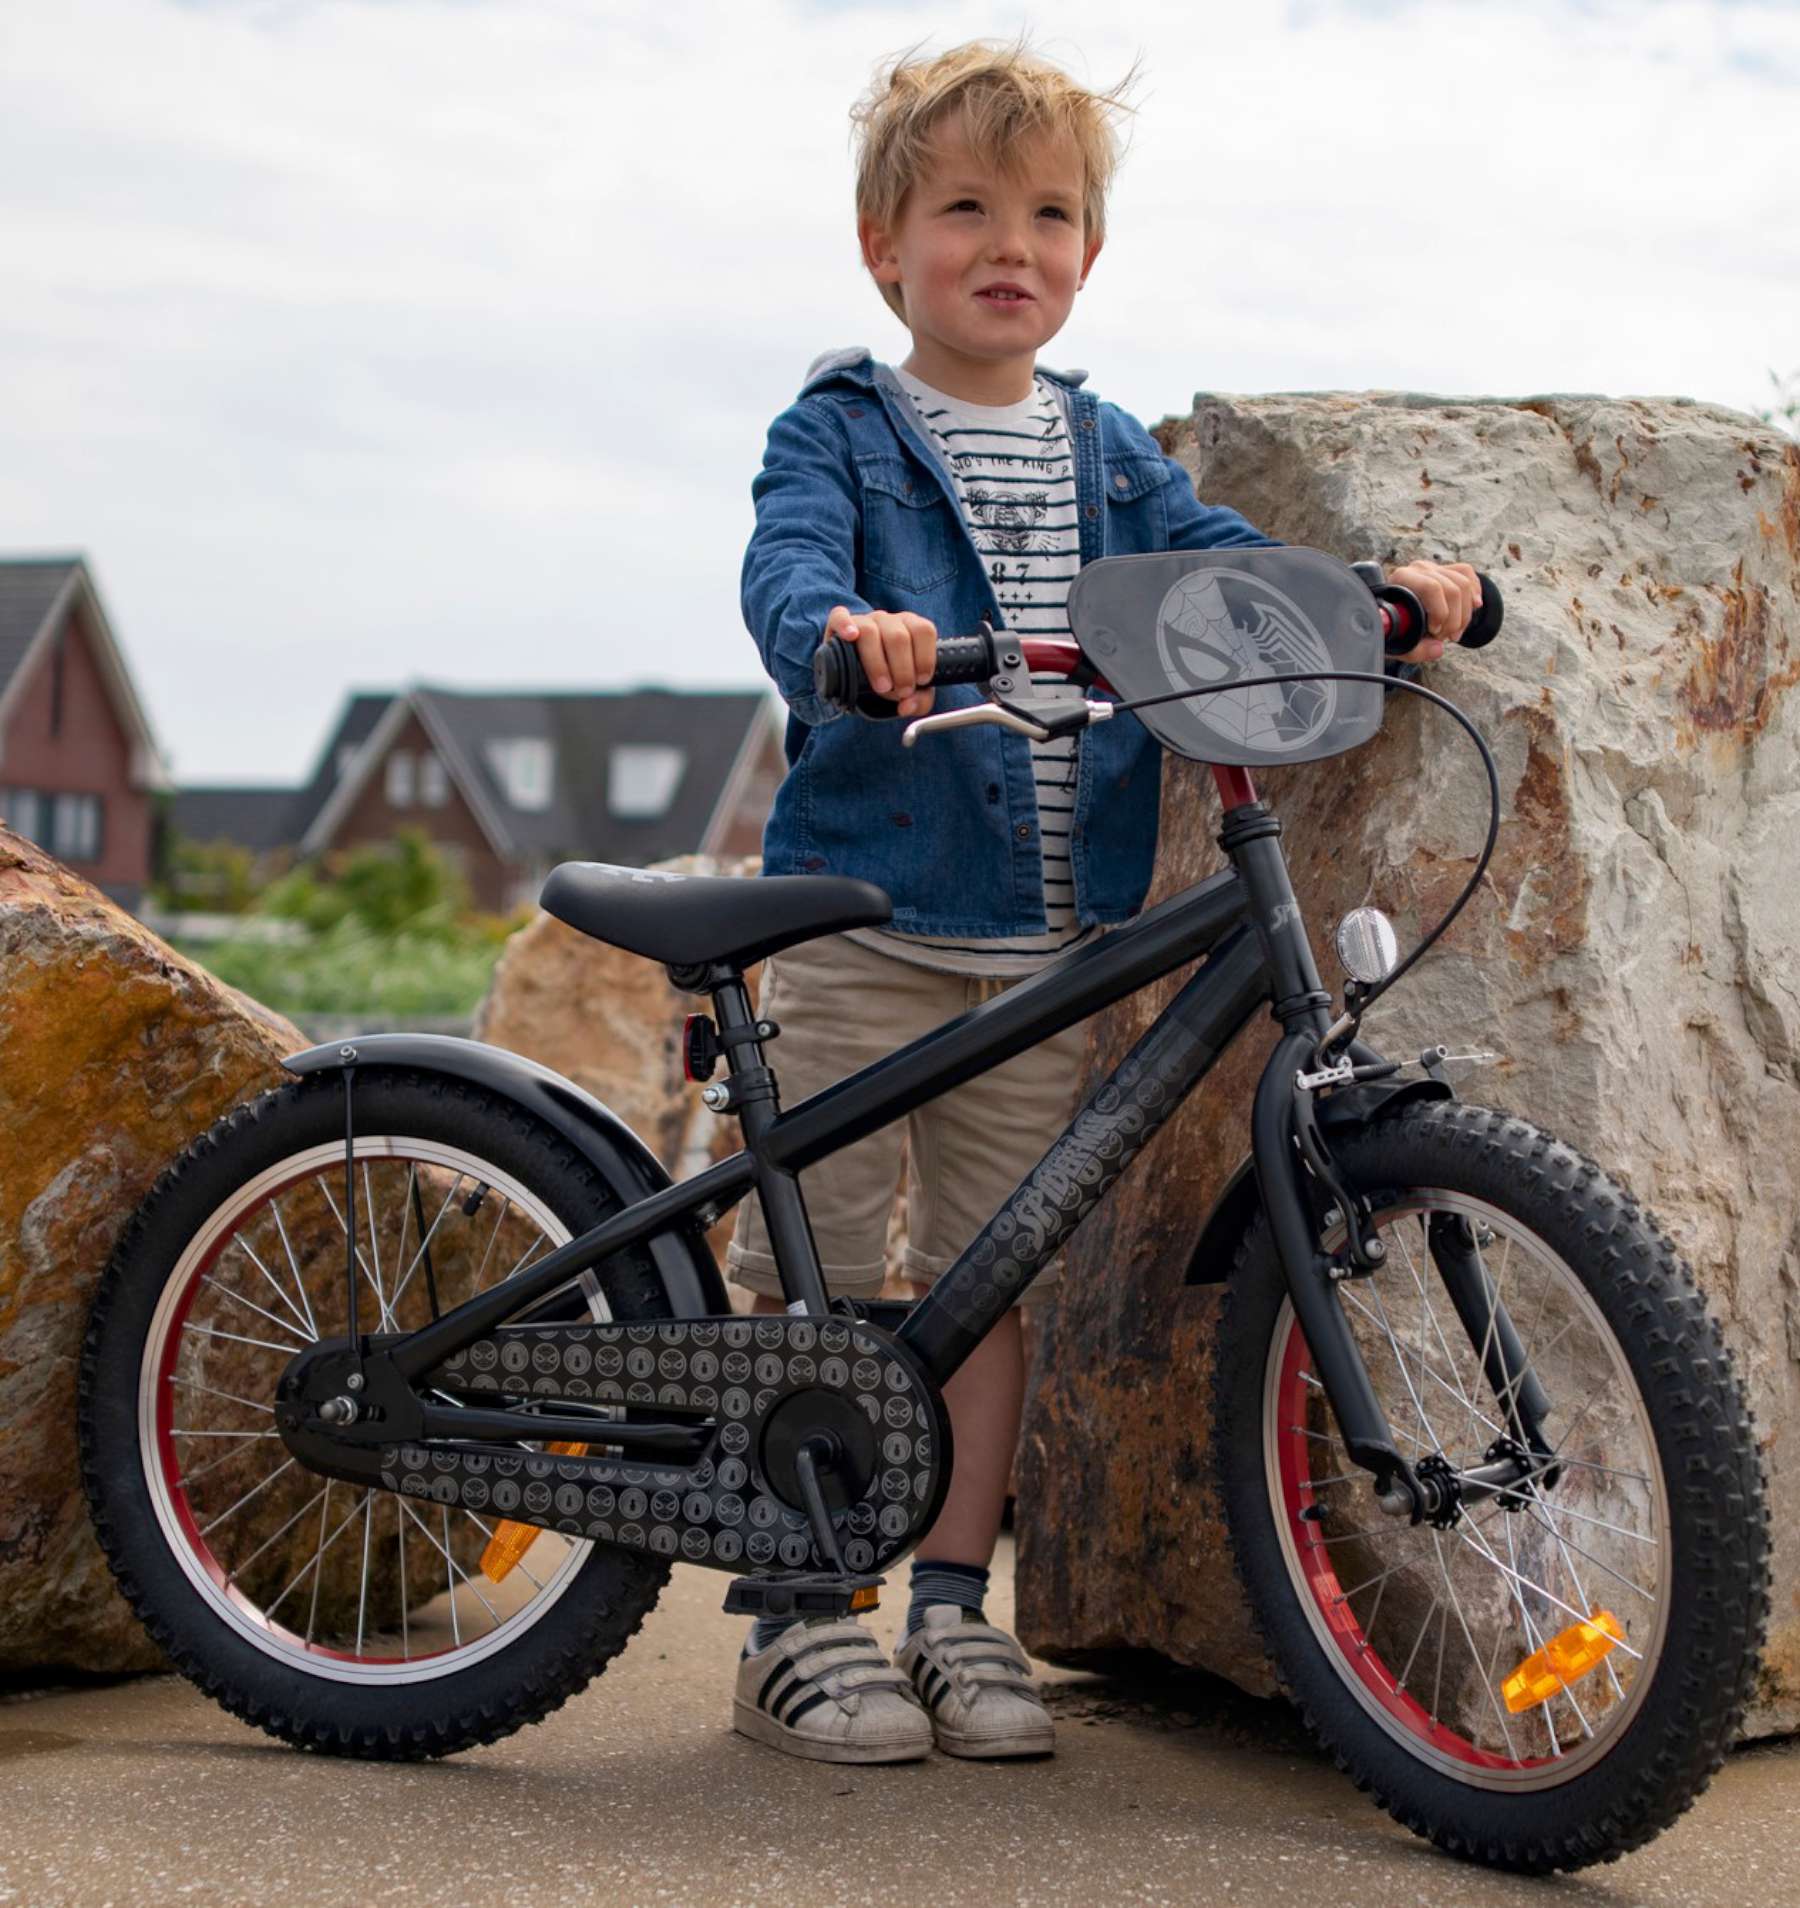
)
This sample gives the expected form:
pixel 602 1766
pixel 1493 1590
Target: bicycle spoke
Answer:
pixel 488 1532
pixel 249 1404
pixel 362 1594
pixel 238 1338
pixel 380 1300
pixel 375 1242
pixel 1581 1616
pixel 452 1566
pixel 238 1569
pixel 301 1341
pixel 400 1546
pixel 307 1329
pixel 293 1265
pixel 254 1491
pixel 1462 1623
pixel 425 1243
pixel 1418 1641
pixel 1534 1641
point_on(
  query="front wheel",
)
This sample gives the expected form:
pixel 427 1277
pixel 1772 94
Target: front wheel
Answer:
pixel 1553 1676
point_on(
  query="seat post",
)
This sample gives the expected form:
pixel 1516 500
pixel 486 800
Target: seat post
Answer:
pixel 756 1100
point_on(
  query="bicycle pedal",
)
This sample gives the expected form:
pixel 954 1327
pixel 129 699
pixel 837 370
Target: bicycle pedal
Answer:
pixel 800 1593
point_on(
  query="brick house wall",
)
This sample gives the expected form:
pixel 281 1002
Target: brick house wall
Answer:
pixel 373 820
pixel 65 737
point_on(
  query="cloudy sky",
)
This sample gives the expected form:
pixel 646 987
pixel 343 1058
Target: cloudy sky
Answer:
pixel 359 341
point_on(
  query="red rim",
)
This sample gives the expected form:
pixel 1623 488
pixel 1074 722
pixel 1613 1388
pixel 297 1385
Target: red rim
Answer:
pixel 1357 1657
pixel 175 1490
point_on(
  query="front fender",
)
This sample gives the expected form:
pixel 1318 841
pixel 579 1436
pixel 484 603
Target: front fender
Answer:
pixel 690 1276
pixel 1236 1207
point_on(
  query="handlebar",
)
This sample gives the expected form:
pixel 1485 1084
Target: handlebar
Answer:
pixel 999 657
pixel 838 677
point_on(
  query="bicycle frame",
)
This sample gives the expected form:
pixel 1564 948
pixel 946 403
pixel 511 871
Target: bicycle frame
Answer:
pixel 1245 927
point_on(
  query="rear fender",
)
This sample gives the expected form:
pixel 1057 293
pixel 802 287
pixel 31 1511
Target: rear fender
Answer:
pixel 689 1274
pixel 1236 1207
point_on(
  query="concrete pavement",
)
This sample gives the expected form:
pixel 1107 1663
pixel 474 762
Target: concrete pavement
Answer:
pixel 1173 1790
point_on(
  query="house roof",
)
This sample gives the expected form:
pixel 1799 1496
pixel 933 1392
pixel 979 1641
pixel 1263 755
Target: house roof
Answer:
pixel 713 729
pixel 35 593
pixel 356 723
pixel 258 818
pixel 29 590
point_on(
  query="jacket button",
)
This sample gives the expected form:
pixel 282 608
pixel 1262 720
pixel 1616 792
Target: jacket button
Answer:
pixel 1087 423
pixel 1023 831
pixel 1120 481
pixel 1093 510
pixel 853 410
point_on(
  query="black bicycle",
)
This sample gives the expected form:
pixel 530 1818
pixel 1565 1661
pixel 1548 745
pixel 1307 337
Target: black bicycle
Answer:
pixel 411 1379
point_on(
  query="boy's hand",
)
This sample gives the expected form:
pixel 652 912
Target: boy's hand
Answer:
pixel 1449 594
pixel 898 652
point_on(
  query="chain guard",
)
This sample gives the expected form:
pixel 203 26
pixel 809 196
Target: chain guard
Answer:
pixel 722 1512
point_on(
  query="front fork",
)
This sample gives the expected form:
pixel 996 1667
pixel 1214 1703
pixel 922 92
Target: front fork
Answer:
pixel 1297 1180
pixel 1430 1492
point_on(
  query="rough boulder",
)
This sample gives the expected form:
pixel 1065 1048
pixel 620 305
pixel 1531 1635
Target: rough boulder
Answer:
pixel 1633 957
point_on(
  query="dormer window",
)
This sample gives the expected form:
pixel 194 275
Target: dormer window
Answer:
pixel 641 780
pixel 524 767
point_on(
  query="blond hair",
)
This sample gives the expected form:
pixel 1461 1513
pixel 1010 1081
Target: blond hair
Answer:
pixel 1004 95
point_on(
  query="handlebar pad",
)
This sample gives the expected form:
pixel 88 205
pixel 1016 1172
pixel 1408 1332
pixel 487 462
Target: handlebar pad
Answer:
pixel 838 677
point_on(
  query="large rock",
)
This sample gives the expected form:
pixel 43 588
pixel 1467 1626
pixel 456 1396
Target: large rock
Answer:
pixel 1633 955
pixel 114 1053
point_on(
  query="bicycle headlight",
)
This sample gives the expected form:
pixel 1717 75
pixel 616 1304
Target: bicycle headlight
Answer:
pixel 1367 945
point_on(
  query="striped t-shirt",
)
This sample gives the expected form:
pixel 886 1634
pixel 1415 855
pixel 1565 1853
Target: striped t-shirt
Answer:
pixel 1014 473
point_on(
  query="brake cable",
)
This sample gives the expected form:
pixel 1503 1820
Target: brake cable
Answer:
pixel 1365 996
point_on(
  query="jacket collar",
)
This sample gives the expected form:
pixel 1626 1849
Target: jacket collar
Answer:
pixel 857 365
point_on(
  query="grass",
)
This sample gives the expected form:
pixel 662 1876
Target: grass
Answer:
pixel 348 969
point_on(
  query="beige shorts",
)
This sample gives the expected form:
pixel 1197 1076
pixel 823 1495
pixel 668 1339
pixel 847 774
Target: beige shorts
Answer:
pixel 840 1007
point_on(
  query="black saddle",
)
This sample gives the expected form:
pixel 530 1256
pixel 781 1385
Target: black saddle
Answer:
pixel 695 920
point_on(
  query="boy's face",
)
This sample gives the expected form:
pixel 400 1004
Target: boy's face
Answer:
pixel 989 263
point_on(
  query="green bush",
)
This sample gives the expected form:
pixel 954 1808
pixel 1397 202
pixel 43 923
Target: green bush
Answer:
pixel 347 970
pixel 390 935
pixel 217 877
pixel 386 887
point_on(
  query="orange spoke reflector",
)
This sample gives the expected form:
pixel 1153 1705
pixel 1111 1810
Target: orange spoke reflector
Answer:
pixel 508 1545
pixel 1566 1658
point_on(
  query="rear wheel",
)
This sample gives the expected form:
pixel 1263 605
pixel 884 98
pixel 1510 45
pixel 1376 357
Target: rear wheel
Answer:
pixel 334 1616
pixel 1622 1591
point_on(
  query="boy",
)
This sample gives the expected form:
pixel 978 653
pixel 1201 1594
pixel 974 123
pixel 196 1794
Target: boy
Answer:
pixel 894 502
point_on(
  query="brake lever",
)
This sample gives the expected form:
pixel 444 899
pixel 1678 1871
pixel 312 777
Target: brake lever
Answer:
pixel 1065 720
pixel 982 712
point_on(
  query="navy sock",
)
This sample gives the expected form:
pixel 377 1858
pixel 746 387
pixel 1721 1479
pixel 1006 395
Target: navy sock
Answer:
pixel 932 1582
pixel 764 1631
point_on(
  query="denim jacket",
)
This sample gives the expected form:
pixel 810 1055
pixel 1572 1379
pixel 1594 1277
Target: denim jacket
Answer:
pixel 855 506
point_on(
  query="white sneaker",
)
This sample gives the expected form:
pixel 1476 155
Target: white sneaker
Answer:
pixel 976 1683
pixel 824 1690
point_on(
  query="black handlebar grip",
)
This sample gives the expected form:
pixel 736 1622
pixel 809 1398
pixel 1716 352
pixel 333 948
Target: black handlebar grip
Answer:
pixel 1484 625
pixel 1410 622
pixel 838 677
